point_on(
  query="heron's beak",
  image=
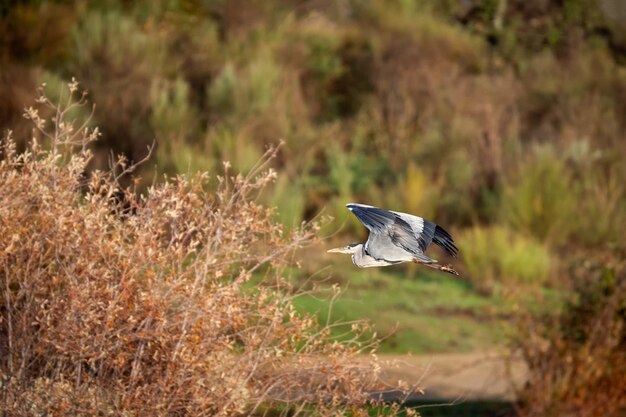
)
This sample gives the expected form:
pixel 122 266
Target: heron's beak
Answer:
pixel 343 249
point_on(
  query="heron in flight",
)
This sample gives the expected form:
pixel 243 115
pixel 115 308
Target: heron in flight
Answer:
pixel 395 238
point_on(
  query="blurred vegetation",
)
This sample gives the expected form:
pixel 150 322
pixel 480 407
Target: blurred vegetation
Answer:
pixel 477 112
pixel 498 256
pixel 577 361
pixel 502 120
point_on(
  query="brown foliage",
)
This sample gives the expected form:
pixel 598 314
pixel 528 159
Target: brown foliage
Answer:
pixel 170 303
pixel 577 363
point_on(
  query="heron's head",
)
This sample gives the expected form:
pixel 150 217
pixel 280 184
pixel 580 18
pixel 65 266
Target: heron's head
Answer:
pixel 350 248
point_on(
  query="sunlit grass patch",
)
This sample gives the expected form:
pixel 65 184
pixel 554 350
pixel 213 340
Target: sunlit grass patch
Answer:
pixel 419 311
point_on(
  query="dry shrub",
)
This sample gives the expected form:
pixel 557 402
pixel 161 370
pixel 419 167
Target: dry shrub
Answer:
pixel 577 362
pixel 170 303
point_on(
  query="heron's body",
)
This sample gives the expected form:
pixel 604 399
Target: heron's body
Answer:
pixel 363 260
pixel 396 237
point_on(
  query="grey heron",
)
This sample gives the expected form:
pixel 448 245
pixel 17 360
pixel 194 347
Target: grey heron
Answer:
pixel 395 238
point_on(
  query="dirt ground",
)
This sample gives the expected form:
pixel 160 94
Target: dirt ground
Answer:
pixel 475 376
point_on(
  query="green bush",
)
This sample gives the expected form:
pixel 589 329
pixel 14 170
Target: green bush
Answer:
pixel 497 256
pixel 541 199
pixel 119 61
pixel 601 196
pixel 221 92
pixel 171 108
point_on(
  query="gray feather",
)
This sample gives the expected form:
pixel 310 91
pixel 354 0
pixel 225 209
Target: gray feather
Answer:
pixel 397 237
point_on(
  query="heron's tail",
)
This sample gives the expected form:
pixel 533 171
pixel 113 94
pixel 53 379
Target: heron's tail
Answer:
pixel 443 239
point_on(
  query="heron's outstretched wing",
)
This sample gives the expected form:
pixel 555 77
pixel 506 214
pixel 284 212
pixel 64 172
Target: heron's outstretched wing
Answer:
pixel 375 219
pixel 387 224
pixel 428 232
pixel 411 233
pixel 443 239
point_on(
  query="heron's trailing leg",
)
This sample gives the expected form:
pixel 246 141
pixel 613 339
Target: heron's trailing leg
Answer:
pixel 437 266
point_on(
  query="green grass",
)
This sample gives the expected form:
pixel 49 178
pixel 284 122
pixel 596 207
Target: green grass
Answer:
pixel 418 311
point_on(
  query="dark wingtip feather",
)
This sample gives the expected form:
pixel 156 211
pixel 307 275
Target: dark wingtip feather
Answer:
pixel 443 239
